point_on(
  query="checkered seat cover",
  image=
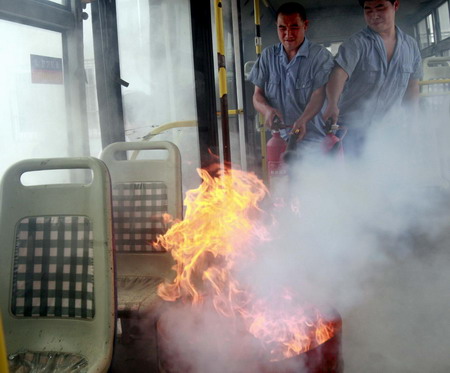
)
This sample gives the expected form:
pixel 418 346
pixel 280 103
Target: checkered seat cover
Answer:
pixel 53 267
pixel 138 210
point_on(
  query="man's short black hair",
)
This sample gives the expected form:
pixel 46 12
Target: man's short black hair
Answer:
pixel 361 2
pixel 292 8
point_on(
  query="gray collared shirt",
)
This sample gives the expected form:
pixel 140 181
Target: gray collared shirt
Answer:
pixel 288 85
pixel 375 86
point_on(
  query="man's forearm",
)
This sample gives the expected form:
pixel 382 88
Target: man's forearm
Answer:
pixel 314 105
pixel 335 85
pixel 260 103
pixel 262 106
pixel 412 93
pixel 334 89
pixel 411 100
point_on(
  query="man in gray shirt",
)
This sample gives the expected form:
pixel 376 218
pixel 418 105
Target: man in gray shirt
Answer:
pixel 376 70
pixel 290 77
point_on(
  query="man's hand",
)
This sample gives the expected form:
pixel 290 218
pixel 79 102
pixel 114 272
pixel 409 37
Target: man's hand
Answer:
pixel 269 116
pixel 299 130
pixel 331 113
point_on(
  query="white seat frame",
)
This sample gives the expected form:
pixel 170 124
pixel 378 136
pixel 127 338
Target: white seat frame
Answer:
pixel 91 338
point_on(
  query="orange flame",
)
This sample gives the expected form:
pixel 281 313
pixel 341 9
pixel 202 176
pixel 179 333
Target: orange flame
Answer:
pixel 287 330
pixel 222 227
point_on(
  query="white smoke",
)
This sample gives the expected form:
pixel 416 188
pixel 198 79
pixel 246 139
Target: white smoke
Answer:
pixel 198 339
pixel 372 240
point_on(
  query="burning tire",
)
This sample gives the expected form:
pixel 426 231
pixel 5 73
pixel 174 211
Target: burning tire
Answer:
pixel 189 344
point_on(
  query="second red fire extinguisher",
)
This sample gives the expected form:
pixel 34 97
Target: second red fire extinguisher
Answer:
pixel 333 144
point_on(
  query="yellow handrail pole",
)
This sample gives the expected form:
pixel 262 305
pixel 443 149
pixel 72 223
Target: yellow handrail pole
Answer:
pixel 258 43
pixel 434 94
pixel 3 357
pixel 436 81
pixel 164 127
pixel 262 130
pixel 232 112
pixel 223 91
pixel 168 126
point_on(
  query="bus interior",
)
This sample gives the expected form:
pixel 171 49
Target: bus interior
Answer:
pixel 80 77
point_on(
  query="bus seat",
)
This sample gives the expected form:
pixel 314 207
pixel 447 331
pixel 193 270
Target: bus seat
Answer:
pixel 436 68
pixel 248 66
pixel 57 279
pixel 144 189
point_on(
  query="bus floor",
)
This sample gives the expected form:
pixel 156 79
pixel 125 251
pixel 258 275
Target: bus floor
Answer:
pixel 135 350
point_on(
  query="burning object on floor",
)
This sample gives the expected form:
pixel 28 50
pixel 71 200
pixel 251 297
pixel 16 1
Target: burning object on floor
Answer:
pixel 214 322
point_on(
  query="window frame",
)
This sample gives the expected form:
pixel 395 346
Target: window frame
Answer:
pixel 439 46
pixel 438 22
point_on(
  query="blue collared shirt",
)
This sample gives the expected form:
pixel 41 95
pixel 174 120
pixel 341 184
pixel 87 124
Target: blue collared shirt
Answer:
pixel 375 86
pixel 288 85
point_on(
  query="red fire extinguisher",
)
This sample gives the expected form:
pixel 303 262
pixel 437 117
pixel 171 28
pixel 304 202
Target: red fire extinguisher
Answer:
pixel 276 146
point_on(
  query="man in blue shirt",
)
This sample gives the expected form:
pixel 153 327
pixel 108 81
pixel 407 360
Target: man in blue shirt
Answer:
pixel 289 77
pixel 376 70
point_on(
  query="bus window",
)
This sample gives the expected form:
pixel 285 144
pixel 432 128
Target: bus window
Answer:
pixel 33 111
pixel 156 59
pixel 60 2
pixel 42 104
pixel 444 21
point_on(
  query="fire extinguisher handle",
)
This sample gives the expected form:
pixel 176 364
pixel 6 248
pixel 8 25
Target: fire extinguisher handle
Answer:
pixel 330 126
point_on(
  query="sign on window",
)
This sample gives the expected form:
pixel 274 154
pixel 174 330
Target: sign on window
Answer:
pixel 46 70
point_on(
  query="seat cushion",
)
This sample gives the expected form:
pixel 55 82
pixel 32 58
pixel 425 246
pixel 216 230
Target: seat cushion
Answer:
pixel 137 294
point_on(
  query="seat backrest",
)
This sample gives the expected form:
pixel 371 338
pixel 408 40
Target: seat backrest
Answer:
pixel 143 191
pixel 248 68
pixel 57 278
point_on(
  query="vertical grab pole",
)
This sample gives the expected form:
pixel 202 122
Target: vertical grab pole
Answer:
pixel 238 80
pixel 222 84
pixel 4 368
pixel 262 130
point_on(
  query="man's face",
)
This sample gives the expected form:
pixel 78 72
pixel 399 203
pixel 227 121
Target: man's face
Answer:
pixel 291 31
pixel 380 14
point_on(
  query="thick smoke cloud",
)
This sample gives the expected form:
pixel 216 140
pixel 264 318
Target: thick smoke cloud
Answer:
pixel 370 240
